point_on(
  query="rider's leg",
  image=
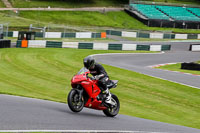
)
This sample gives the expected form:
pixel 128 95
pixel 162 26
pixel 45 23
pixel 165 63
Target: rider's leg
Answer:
pixel 103 83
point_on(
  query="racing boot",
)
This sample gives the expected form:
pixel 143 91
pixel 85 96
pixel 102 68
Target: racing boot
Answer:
pixel 108 96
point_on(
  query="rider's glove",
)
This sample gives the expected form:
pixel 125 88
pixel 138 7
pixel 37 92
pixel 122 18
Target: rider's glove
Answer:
pixel 97 77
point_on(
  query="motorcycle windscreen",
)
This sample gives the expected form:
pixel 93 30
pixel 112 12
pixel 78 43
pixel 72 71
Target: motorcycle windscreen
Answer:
pixel 82 71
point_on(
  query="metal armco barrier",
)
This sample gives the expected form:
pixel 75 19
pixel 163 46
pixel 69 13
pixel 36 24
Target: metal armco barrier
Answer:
pixel 1 35
pixel 51 44
pixel 91 45
pixel 190 66
pixel 194 47
pixel 143 47
pixel 85 46
pixel 68 35
pixel 5 43
pixel 165 47
pixel 152 35
pixel 133 34
pixel 115 47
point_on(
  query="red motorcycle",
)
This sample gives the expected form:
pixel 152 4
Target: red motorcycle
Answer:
pixel 86 93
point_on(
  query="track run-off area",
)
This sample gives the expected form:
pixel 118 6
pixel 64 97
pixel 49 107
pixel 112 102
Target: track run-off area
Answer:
pixel 27 114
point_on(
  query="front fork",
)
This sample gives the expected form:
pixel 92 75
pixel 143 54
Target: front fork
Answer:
pixel 80 92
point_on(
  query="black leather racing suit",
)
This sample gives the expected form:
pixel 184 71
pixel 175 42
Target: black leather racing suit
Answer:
pixel 104 79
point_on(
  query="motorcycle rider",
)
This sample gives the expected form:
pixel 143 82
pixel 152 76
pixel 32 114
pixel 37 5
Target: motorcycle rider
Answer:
pixel 98 71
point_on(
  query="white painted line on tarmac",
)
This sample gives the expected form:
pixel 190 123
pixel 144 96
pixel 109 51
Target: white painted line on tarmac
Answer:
pixel 126 53
pixel 78 131
pixel 155 66
pixel 171 81
pixel 181 72
pixel 159 65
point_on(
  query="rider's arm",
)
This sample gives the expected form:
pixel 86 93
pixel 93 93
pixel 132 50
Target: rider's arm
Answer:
pixel 101 71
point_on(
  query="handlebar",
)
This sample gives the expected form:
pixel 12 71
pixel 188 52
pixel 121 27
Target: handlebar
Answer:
pixel 92 78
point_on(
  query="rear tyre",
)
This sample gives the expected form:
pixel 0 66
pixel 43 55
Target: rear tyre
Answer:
pixel 112 111
pixel 74 102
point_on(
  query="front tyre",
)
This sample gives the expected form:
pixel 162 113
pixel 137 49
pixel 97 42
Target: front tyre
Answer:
pixel 112 111
pixel 75 103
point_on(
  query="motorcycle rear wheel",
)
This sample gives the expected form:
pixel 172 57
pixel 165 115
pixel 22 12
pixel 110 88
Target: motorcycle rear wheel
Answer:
pixel 112 111
pixel 73 101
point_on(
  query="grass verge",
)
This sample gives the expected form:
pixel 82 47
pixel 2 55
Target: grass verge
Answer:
pixel 1 4
pixel 85 3
pixel 177 67
pixel 102 21
pixel 46 74
pixel 67 3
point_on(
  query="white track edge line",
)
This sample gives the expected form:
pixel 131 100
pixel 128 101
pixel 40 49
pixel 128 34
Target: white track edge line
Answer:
pixel 160 65
pixel 126 53
pixel 172 81
pixel 80 131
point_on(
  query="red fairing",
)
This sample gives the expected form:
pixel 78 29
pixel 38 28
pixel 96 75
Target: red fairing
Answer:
pixel 77 79
pixel 91 88
pixel 88 87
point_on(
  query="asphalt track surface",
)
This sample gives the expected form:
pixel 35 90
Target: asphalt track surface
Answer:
pixel 141 62
pixel 19 113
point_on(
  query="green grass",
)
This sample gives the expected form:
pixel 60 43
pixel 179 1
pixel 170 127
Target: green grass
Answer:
pixel 102 21
pixel 66 3
pixel 83 18
pixel 177 67
pixel 46 74
pixel 14 20
pixel 1 4
pixel 84 3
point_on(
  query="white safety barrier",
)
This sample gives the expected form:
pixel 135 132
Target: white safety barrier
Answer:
pixel 198 36
pixel 129 34
pixel 53 34
pixel 195 48
pixel 181 36
pixel 129 46
pixel 157 35
pixel 15 33
pixel 83 35
pixel 155 47
pixel 100 46
pixel 70 44
pixel 37 44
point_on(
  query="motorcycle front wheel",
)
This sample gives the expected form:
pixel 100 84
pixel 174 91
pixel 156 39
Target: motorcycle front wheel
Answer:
pixel 112 111
pixel 74 102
